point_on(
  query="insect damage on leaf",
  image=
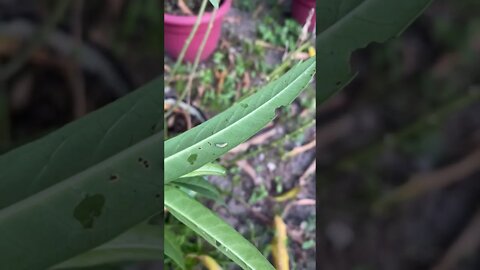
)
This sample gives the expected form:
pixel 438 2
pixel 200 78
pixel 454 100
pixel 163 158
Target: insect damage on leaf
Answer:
pixel 89 209
pixel 221 145
pixel 113 178
pixel 192 158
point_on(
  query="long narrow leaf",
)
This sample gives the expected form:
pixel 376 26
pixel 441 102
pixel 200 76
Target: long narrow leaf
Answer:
pixel 207 169
pixel 82 185
pixel 213 229
pixel 346 26
pixel 208 141
pixel 199 185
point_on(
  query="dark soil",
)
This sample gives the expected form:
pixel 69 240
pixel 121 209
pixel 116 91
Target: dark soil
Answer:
pixel 399 84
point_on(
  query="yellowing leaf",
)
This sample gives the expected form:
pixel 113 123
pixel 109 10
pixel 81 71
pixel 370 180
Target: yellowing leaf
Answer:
pixel 209 262
pixel 292 193
pixel 279 245
pixel 311 51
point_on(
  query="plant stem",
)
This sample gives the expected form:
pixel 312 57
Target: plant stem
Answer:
pixel 188 88
pixel 189 39
pixel 194 68
pixel 179 61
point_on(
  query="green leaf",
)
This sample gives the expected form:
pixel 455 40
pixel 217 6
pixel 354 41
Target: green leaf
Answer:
pixel 207 169
pixel 172 248
pixel 84 184
pixel 213 229
pixel 199 185
pixel 346 26
pixel 208 141
pixel 142 243
pixel 214 3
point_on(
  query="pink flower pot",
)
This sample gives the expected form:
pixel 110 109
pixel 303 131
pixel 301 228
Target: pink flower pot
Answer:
pixel 177 28
pixel 300 10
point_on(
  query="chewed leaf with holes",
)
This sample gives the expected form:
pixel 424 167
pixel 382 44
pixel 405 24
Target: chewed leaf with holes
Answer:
pixel 83 184
pixel 213 229
pixel 208 141
pixel 345 26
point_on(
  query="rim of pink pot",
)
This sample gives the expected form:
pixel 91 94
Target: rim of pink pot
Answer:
pixel 190 20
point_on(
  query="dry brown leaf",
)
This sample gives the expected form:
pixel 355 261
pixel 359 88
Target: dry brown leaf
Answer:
pixel 246 81
pixel 220 75
pixel 291 194
pixel 256 140
pixel 245 166
pixel 166 68
pixel 301 202
pixel 300 56
pixel 310 170
pixel 209 262
pixel 279 245
pixel 424 182
pixel 298 150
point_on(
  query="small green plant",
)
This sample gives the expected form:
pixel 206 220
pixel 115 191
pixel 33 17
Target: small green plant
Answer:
pixel 280 35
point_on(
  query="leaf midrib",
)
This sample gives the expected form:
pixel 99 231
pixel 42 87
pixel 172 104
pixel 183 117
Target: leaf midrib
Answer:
pixel 216 239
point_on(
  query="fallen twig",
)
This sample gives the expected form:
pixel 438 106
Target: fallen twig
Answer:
pixel 425 182
pixel 299 150
pixel 465 245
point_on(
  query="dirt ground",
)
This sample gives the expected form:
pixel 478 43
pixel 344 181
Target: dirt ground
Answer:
pixel 412 113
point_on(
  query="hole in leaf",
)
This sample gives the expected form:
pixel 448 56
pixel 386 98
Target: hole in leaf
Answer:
pixel 192 158
pixel 89 209
pixel 278 111
pixel 146 164
pixel 114 178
